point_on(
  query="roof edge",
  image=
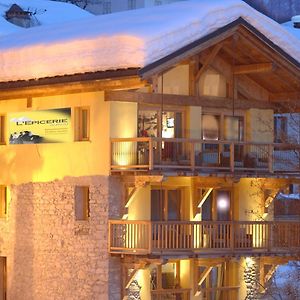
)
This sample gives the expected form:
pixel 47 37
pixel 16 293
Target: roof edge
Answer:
pixel 72 78
pixel 240 21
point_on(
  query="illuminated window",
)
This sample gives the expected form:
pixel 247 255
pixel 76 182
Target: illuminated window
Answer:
pixel 3 201
pixel 2 129
pixel 82 124
pixel 82 203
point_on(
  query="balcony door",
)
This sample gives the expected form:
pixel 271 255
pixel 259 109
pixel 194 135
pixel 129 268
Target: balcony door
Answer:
pixel 165 205
pixel 217 206
pixel 166 124
pixel 224 127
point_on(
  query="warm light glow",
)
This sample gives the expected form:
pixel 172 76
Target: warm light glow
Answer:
pixel 249 261
pixel 223 203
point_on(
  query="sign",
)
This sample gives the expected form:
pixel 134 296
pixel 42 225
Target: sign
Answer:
pixel 41 126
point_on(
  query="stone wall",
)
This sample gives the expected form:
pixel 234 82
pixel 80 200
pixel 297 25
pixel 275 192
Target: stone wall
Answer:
pixel 52 256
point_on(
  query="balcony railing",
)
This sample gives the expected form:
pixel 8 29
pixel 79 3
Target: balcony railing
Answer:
pixel 204 237
pixel 203 156
pixel 170 294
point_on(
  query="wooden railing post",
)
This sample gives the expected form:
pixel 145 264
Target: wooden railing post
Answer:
pixel 232 236
pixel 231 157
pixel 150 237
pixel 192 153
pixel 150 154
pixel 270 158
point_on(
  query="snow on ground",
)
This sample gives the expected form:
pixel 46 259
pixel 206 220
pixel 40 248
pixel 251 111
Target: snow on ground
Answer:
pixel 282 196
pixel 47 12
pixel 133 38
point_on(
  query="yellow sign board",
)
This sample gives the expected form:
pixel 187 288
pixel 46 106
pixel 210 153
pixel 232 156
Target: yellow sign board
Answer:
pixel 41 126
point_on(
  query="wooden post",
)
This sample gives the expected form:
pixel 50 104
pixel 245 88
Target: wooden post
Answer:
pixel 231 157
pixel 192 156
pixel 232 235
pixel 150 154
pixel 270 160
pixel 150 237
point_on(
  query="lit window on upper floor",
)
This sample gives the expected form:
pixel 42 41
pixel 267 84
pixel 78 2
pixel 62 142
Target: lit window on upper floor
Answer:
pixel 2 130
pixel 82 203
pixel 3 201
pixel 82 123
pixel 212 83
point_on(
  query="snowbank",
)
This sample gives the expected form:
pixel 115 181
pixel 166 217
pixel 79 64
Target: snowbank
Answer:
pixel 127 39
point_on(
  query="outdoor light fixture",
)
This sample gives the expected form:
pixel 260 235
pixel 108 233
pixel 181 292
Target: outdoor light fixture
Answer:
pixel 223 201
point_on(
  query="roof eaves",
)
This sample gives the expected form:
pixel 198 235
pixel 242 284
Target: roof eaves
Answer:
pixel 148 69
pixel 72 78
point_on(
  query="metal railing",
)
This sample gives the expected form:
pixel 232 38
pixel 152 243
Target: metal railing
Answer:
pixel 202 155
pixel 145 237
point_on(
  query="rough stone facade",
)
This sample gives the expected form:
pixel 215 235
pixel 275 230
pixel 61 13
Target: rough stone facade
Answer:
pixel 49 254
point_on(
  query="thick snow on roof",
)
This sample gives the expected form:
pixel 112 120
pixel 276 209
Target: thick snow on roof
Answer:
pixel 127 39
pixel 46 12
pixel 290 27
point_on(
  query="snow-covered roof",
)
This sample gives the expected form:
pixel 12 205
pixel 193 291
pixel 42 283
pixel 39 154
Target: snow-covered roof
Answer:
pixel 128 39
pixel 45 12
pixel 289 26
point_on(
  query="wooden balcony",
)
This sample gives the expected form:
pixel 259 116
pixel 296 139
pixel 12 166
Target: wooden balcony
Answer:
pixel 170 294
pixel 208 157
pixel 204 238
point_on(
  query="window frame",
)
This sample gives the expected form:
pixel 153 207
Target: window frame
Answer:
pixel 84 205
pixel 78 120
pixel 3 201
pixel 2 129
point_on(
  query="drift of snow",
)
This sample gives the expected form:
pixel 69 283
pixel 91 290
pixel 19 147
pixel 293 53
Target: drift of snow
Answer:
pixel 127 39
pixel 47 12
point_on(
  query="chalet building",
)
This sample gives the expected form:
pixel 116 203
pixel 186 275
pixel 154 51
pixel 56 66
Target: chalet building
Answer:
pixel 141 163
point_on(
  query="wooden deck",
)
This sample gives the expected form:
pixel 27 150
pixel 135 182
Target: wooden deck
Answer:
pixel 204 238
pixel 208 157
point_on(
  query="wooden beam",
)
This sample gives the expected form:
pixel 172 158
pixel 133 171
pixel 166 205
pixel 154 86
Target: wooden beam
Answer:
pixel 191 51
pixel 251 89
pixel 208 60
pixel 203 276
pixel 205 196
pixel 255 42
pixel 287 96
pixel 72 88
pixel 183 100
pixel 131 196
pixel 253 68
pixel 270 273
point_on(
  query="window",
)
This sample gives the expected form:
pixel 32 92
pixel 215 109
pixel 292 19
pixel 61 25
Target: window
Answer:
pixel 280 129
pixel 3 201
pixel 2 129
pixel 82 203
pixel 131 4
pixel 3 276
pixel 82 124
pixel 106 7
